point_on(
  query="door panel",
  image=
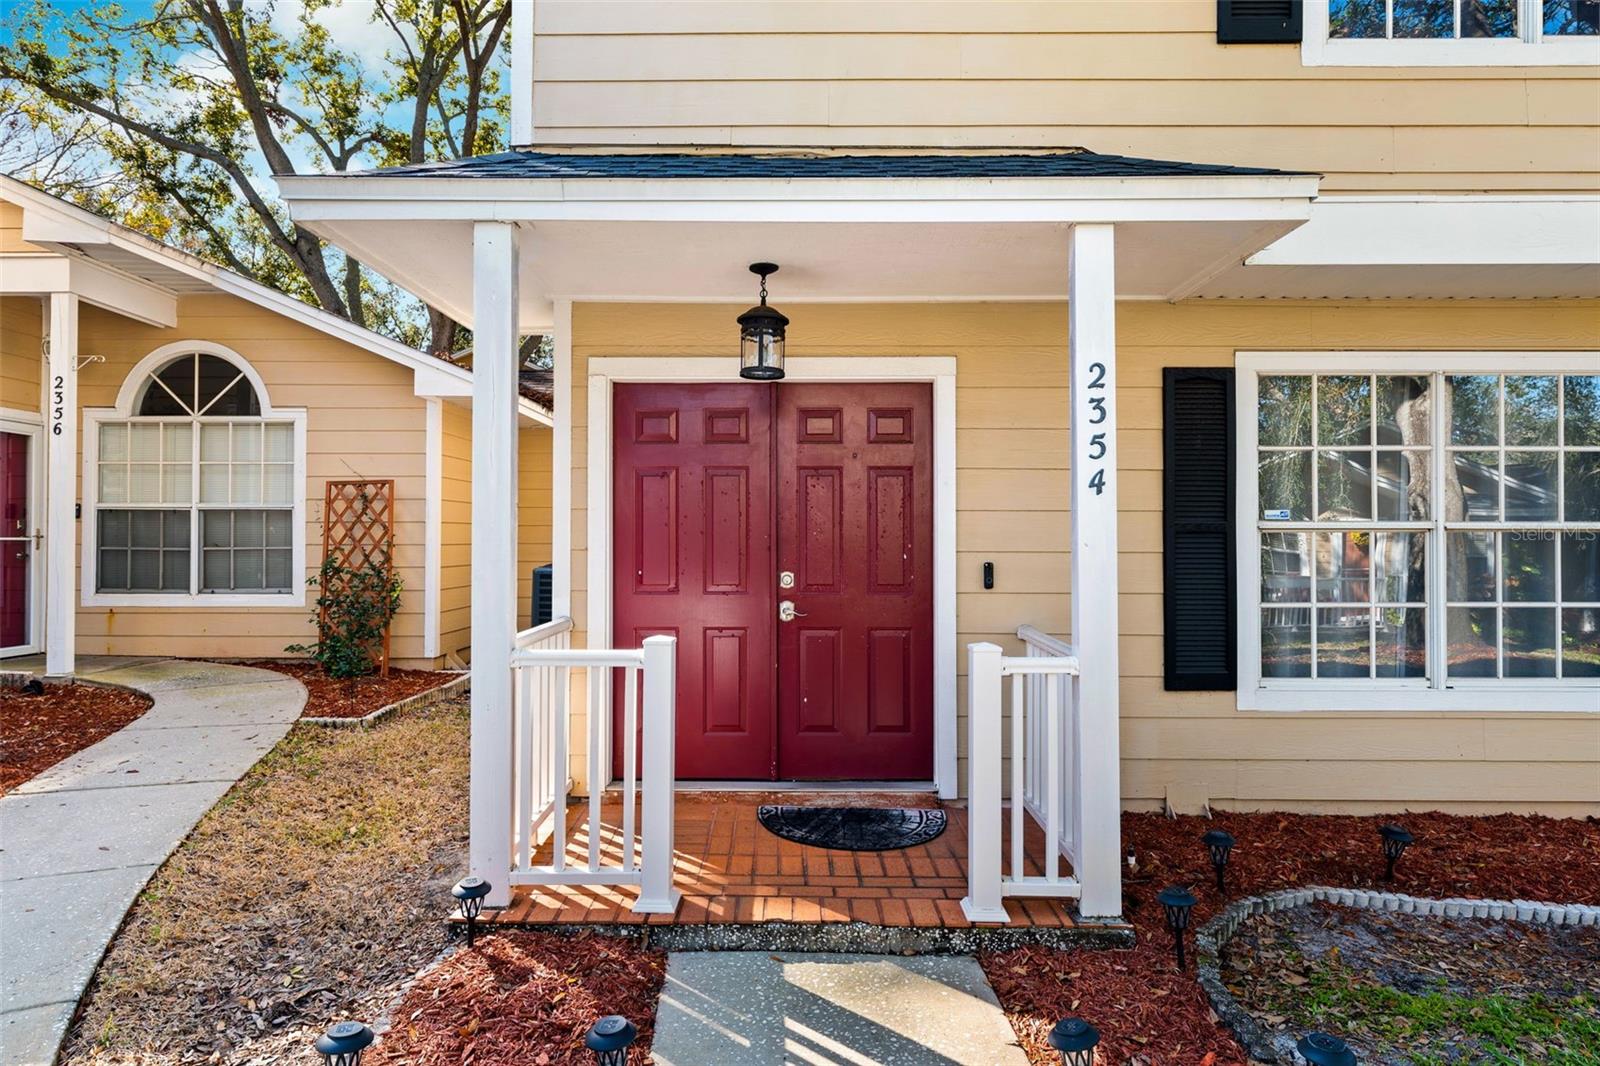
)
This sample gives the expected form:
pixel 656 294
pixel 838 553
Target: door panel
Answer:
pixel 692 556
pixel 855 525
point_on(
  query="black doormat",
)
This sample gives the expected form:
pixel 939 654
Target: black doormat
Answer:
pixel 854 828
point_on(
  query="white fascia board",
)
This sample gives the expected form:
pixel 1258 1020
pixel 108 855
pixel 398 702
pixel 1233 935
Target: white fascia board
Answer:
pixel 123 294
pixel 531 414
pixel 38 273
pixel 34 273
pixel 1442 231
pixel 442 380
pixel 922 200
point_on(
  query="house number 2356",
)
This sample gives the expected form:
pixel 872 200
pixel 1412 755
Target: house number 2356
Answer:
pixel 1098 449
pixel 58 404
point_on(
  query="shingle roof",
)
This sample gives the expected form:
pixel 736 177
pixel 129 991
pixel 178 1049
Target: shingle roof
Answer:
pixel 1061 163
pixel 538 386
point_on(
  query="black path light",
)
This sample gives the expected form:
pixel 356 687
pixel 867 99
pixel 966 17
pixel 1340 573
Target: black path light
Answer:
pixel 343 1043
pixel 1320 1049
pixel 761 332
pixel 469 892
pixel 1396 838
pixel 610 1038
pixel 1177 901
pixel 1219 842
pixel 1076 1040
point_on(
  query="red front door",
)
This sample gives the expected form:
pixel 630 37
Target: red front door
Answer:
pixel 730 500
pixel 855 507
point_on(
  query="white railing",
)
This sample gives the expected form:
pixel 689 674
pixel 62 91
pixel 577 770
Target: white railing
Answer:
pixel 1044 725
pixel 1048 699
pixel 543 666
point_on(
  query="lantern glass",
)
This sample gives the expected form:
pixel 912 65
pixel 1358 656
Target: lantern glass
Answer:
pixel 761 352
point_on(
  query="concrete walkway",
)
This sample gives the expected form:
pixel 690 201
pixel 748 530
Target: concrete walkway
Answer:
pixel 78 842
pixel 758 1008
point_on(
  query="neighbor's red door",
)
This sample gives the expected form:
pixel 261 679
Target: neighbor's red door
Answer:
pixel 15 545
pixel 692 557
pixel 855 528
pixel 707 479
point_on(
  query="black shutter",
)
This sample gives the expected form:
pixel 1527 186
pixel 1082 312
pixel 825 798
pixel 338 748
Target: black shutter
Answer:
pixel 544 581
pixel 1258 21
pixel 1198 546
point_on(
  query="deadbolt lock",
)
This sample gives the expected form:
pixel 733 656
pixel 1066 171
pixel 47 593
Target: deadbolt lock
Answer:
pixel 786 579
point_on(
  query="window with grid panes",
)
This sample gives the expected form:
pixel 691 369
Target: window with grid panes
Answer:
pixel 1435 528
pixel 195 492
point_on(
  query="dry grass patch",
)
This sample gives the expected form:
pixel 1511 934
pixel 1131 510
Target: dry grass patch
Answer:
pixel 310 892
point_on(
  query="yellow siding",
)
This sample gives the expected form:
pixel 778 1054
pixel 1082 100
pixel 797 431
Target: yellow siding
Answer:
pixel 1144 79
pixel 21 352
pixel 363 421
pixel 1012 500
pixel 455 550
pixel 11 230
pixel 533 513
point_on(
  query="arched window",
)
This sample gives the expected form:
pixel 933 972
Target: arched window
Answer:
pixel 196 482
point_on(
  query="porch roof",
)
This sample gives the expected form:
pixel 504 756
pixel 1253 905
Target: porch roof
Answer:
pixel 885 226
pixel 1054 163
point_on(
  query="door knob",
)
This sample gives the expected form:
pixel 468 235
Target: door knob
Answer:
pixel 787 613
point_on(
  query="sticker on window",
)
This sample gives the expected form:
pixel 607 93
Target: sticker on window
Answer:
pixel 1276 514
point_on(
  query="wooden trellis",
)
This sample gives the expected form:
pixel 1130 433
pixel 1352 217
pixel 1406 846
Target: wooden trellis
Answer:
pixel 358 531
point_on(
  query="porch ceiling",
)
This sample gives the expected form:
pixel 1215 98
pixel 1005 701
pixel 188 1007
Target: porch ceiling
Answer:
pixel 706 261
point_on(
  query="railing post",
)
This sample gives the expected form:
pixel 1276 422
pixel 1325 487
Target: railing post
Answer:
pixel 656 894
pixel 984 902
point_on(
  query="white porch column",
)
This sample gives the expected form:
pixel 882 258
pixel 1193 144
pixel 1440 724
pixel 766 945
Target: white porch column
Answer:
pixel 1092 341
pixel 61 487
pixel 494 549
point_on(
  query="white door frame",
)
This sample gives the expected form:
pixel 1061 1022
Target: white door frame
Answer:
pixel 940 371
pixel 30 425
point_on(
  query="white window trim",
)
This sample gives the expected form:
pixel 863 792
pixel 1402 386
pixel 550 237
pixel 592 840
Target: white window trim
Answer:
pixel 1378 694
pixel 89 526
pixel 1532 49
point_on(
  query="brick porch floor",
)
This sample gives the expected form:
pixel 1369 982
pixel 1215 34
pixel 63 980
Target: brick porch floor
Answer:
pixel 731 870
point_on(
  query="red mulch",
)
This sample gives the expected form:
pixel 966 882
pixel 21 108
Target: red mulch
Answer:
pixel 527 998
pixel 1150 1014
pixel 333 697
pixel 36 732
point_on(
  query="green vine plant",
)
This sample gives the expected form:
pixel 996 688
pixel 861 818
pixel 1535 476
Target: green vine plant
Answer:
pixel 353 609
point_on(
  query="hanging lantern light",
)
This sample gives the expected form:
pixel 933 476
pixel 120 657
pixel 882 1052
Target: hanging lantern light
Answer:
pixel 1219 842
pixel 343 1043
pixel 469 893
pixel 1396 839
pixel 1177 901
pixel 609 1039
pixel 1076 1040
pixel 1320 1049
pixel 761 331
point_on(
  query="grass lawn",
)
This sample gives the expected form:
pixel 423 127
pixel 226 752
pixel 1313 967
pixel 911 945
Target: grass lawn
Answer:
pixel 309 893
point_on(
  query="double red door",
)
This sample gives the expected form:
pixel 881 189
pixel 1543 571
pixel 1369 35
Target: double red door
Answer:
pixel 783 533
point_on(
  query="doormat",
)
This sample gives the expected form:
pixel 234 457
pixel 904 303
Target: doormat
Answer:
pixel 854 828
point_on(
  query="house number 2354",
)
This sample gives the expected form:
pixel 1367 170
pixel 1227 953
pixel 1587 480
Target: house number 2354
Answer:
pixel 58 404
pixel 1098 449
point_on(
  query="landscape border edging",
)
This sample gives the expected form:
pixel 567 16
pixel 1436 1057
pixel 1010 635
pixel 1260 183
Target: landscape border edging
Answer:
pixel 1214 935
pixel 425 698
